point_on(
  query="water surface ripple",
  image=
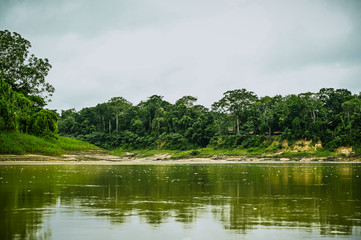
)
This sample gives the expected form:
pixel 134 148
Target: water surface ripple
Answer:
pixel 233 201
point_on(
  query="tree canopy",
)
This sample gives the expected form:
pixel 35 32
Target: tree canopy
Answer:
pixel 239 119
pixel 25 74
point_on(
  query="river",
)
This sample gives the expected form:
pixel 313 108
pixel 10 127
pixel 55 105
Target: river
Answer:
pixel 185 202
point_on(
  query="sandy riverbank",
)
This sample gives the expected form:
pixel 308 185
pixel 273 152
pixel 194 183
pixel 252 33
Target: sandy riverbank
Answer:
pixel 91 158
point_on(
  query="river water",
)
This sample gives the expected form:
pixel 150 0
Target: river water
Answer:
pixel 185 202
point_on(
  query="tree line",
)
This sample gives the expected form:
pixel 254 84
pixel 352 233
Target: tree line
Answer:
pixel 239 119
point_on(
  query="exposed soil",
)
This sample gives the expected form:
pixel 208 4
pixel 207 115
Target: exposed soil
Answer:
pixel 105 158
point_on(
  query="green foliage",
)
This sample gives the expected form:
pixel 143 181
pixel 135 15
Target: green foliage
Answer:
pixel 334 143
pixel 154 123
pixel 210 152
pixel 173 141
pixel 44 123
pixel 25 74
pixel 20 113
pixel 357 150
pixel 238 103
pixel 22 86
pixel 323 153
pixel 239 120
pixel 296 154
pixel 254 141
pixel 20 143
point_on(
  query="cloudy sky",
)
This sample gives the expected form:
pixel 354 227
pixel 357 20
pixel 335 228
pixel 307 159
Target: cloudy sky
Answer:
pixel 138 48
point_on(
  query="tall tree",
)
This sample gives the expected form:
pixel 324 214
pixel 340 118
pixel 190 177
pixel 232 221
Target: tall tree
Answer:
pixel 155 108
pixel 23 88
pixel 264 108
pixel 118 105
pixel 26 74
pixel 237 103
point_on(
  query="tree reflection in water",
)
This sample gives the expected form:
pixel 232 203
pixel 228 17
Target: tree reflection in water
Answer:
pixel 325 198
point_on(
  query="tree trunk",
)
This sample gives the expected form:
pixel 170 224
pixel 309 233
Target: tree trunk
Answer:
pixel 349 121
pixel 103 123
pixel 314 116
pixel 150 122
pixel 110 127
pixel 117 123
pixel 237 125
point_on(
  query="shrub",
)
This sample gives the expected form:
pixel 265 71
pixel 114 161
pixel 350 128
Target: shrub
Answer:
pixel 254 141
pixel 173 141
pixel 44 123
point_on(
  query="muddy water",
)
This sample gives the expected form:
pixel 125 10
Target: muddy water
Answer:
pixel 214 201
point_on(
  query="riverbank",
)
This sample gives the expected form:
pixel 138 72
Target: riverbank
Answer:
pixel 19 147
pixel 107 159
pixel 23 144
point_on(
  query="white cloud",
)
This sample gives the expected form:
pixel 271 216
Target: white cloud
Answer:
pixel 139 48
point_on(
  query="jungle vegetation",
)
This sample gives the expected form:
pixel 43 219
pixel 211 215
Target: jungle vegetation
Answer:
pixel 23 89
pixel 26 126
pixel 239 120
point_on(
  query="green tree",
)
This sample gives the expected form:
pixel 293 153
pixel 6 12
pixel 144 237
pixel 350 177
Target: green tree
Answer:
pixel 44 123
pixel 25 74
pixel 67 123
pixel 333 116
pixel 264 108
pixel 236 102
pixel 23 88
pixel 118 105
pixel 154 109
pixel 187 101
pixel 351 119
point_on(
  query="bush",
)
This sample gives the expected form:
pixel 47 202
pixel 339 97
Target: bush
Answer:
pixel 254 141
pixel 357 149
pixel 195 153
pixel 334 143
pixel 44 123
pixel 173 141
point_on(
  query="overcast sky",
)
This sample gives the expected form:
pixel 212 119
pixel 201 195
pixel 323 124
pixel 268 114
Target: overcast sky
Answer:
pixel 138 48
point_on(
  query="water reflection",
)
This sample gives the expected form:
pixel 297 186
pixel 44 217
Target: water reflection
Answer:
pixel 46 202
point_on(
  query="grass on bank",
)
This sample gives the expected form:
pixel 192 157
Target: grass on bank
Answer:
pixel 20 143
pixel 222 153
pixel 178 154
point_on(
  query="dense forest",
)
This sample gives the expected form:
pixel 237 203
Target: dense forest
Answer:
pixel 23 89
pixel 240 119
